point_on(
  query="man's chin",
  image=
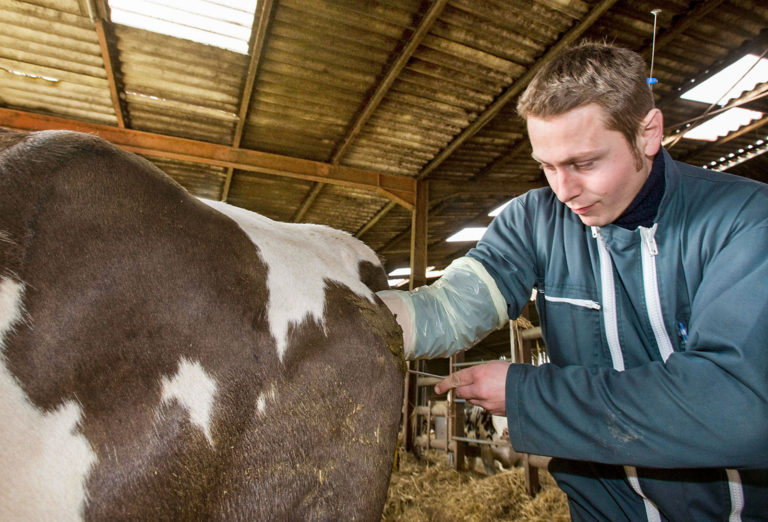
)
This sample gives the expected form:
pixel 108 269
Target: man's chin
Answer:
pixel 594 221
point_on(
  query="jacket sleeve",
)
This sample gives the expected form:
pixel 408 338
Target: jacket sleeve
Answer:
pixel 707 406
pixel 450 315
pixel 507 251
pixel 478 293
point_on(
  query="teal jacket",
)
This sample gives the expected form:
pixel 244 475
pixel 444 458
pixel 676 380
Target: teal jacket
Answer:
pixel 658 342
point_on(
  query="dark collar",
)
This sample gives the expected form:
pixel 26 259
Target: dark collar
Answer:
pixel 643 209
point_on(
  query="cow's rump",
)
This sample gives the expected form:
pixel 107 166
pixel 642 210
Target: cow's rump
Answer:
pixel 160 360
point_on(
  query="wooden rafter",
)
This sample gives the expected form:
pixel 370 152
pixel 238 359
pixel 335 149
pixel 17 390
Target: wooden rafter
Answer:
pixel 672 139
pixel 389 78
pixel 757 45
pixel 261 19
pixel 376 98
pixel 308 201
pixel 99 14
pixel 398 188
pixel 375 219
pixel 689 157
pixel 442 192
pixel 505 158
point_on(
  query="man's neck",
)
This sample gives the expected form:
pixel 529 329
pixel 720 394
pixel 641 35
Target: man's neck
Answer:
pixel 643 209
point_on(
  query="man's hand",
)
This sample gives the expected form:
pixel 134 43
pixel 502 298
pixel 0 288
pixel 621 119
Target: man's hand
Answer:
pixel 483 385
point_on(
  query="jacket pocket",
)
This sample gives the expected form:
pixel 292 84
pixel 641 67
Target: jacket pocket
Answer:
pixel 571 327
pixel 584 303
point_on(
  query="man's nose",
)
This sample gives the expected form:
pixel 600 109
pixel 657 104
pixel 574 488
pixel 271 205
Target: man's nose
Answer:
pixel 567 187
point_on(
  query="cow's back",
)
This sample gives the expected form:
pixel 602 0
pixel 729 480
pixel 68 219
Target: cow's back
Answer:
pixel 142 367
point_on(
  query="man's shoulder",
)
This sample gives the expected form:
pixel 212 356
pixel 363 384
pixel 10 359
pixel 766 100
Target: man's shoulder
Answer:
pixel 698 175
pixel 719 194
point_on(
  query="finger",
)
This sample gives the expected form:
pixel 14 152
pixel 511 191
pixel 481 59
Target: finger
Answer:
pixel 454 380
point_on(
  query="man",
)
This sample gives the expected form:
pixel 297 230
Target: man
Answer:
pixel 650 278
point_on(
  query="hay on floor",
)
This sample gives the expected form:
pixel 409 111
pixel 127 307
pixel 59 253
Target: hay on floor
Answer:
pixel 427 489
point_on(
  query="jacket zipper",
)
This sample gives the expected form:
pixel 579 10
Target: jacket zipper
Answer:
pixel 612 335
pixel 651 286
pixel 609 302
pixel 737 495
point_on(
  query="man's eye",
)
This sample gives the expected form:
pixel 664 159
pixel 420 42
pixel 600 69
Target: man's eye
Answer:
pixel 584 165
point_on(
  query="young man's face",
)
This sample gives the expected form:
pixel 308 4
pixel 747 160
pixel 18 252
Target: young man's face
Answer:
pixel 590 168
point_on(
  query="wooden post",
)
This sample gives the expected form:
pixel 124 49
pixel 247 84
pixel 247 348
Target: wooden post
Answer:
pixel 429 422
pixel 532 484
pixel 419 236
pixel 521 353
pixel 409 402
pixel 456 421
pixel 418 278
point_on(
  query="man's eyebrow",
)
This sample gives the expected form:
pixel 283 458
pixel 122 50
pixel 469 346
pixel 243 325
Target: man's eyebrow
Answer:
pixel 578 158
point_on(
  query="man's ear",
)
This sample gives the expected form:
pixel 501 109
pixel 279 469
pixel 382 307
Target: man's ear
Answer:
pixel 651 132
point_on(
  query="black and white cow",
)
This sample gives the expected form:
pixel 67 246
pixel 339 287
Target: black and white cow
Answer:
pixel 161 359
pixel 481 425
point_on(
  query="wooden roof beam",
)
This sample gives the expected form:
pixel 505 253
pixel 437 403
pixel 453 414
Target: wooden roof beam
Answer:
pixel 505 158
pixel 389 78
pixel 373 103
pixel 98 11
pixel 441 192
pixel 375 219
pixel 756 125
pixel 754 46
pixel 309 200
pixel 261 19
pixel 673 139
pixel 400 189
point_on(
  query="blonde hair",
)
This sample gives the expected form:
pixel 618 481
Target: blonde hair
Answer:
pixel 612 77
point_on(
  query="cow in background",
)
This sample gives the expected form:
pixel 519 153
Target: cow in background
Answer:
pixel 162 360
pixel 481 425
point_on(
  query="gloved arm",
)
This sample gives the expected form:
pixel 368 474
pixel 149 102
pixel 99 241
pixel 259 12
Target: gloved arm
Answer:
pixel 450 315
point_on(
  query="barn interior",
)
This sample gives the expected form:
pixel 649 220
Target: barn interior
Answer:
pixel 393 120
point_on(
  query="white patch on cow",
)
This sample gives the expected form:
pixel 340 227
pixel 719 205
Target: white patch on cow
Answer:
pixel 44 459
pixel 10 305
pixel 499 425
pixel 261 402
pixel 300 259
pixel 195 390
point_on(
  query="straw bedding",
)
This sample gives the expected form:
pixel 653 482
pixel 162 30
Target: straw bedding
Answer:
pixel 428 489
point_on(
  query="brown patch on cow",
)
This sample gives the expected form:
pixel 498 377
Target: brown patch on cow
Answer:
pixel 384 325
pixel 347 368
pixel 373 276
pixel 125 273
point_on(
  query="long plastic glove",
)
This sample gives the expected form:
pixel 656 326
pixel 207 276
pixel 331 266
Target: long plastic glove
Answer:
pixel 452 314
